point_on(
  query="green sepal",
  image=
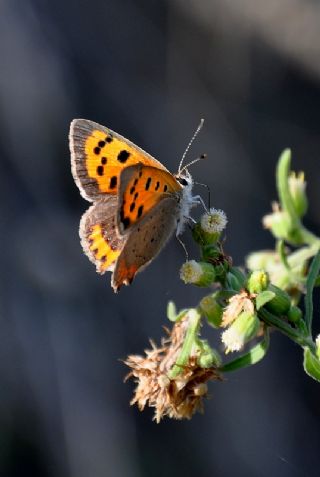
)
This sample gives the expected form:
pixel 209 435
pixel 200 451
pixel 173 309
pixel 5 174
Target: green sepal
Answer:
pixel 204 238
pixel 253 356
pixel 311 364
pixel 212 310
pixel 263 298
pixel 210 253
pixel 235 279
pixel 294 314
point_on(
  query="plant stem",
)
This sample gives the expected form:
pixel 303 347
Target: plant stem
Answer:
pixel 191 334
pixel 286 329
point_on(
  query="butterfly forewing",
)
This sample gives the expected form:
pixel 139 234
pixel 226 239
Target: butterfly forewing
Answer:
pixel 98 155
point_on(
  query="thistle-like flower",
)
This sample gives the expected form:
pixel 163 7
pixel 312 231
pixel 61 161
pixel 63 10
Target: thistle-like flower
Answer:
pixel 197 273
pixel 179 397
pixel 213 221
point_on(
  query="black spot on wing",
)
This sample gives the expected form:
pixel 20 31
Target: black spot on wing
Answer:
pixel 100 170
pixel 113 182
pixel 140 210
pixel 123 156
pixel 148 183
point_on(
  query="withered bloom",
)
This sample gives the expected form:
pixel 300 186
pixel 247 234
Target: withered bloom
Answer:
pixel 242 302
pixel 177 397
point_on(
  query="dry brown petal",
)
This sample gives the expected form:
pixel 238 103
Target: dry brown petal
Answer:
pixel 237 304
pixel 177 398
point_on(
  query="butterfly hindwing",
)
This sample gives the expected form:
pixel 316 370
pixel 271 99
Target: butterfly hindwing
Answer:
pixel 98 155
pixel 141 189
pixel 145 241
pixel 98 234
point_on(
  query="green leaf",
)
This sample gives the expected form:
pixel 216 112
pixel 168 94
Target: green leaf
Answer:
pixel 171 311
pixel 172 314
pixel 251 357
pixel 311 364
pixel 263 298
pixel 311 280
pixel 285 198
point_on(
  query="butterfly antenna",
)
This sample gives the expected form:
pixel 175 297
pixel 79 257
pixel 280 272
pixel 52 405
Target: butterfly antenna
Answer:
pixel 189 145
pixel 203 156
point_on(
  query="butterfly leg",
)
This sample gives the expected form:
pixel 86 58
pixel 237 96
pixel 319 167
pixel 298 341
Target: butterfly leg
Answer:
pixel 197 199
pixel 183 246
pixel 208 190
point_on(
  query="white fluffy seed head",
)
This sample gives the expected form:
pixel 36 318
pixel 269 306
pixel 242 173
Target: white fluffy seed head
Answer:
pixel 214 221
pixel 190 272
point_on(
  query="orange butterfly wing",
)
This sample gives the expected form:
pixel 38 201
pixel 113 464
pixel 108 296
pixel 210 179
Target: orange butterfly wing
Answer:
pixel 98 234
pixel 98 155
pixel 142 187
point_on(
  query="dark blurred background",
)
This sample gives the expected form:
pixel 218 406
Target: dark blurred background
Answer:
pixel 149 70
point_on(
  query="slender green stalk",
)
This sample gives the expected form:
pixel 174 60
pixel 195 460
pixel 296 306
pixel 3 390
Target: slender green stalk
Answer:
pixel 189 341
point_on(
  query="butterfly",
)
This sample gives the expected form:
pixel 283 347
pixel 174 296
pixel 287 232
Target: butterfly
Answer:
pixel 137 202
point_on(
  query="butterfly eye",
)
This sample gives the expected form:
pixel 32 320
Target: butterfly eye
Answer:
pixel 182 181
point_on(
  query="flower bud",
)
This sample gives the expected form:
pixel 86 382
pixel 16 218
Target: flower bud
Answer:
pixel 294 314
pixel 242 330
pixel 297 187
pixel 258 281
pixel 208 356
pixel 280 304
pixel 197 273
pixel 212 310
pixel 210 253
pixel 222 266
pixel 280 224
pixel 262 260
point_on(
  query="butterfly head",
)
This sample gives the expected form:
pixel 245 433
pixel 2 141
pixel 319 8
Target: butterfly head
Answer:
pixel 184 178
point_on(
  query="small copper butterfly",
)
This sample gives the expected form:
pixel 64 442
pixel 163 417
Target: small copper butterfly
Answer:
pixel 137 202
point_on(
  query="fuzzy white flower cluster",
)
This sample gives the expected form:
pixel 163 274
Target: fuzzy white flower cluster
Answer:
pixel 214 221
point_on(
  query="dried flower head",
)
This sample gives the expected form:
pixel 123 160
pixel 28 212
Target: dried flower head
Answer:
pixel 241 302
pixel 179 397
